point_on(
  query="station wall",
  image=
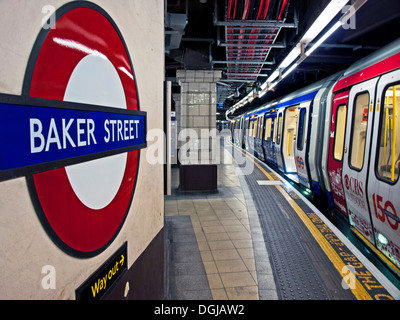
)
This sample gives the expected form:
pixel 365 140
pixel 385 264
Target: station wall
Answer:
pixel 26 249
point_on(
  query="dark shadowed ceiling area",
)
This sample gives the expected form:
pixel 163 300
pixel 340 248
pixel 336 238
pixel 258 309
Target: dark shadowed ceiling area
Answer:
pixel 247 39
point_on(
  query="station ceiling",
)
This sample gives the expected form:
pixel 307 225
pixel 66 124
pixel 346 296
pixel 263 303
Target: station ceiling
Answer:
pixel 247 40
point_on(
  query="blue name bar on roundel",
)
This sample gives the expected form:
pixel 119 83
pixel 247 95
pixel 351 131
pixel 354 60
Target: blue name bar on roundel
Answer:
pixel 40 134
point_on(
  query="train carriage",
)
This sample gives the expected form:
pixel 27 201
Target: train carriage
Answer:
pixel 364 162
pixel 279 132
pixel 340 138
pixel 269 138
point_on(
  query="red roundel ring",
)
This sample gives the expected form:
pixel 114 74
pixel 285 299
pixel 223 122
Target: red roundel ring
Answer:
pixel 82 29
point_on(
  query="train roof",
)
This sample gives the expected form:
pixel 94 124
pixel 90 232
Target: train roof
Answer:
pixel 344 78
pixel 377 63
pixel 379 55
pixel 298 96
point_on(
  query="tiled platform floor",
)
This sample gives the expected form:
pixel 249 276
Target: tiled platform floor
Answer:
pixel 229 239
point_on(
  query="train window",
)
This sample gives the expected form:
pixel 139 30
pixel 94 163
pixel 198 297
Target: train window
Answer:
pixel 340 129
pixel 302 129
pixel 268 127
pixel 273 129
pixel 260 132
pixel 258 127
pixel 251 128
pixel 388 165
pixel 360 121
pixel 278 131
pixel 255 128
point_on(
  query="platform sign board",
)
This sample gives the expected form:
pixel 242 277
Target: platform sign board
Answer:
pixel 34 136
pixel 76 131
pixel 100 283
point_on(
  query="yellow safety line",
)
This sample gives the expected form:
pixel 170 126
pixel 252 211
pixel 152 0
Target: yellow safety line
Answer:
pixel 359 291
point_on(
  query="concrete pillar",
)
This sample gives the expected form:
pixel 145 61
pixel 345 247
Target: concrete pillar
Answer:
pixel 197 129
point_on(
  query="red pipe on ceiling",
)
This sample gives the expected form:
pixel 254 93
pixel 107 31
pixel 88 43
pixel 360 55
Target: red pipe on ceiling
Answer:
pixel 264 6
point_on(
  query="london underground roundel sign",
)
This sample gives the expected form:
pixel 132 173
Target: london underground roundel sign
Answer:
pixel 83 129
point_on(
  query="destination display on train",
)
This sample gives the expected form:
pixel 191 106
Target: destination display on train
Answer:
pixel 35 135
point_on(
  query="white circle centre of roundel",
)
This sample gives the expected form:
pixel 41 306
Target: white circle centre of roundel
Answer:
pixel 96 81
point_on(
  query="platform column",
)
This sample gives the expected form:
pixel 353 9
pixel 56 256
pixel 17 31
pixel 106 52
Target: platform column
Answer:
pixel 197 130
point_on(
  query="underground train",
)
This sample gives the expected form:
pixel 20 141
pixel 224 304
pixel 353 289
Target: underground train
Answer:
pixel 340 139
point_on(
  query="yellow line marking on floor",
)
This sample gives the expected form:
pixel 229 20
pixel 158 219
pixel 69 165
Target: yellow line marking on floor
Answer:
pixel 359 291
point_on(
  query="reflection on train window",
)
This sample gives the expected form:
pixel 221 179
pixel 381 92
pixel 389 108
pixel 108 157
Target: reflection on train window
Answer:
pixel 255 128
pixel 268 127
pixel 302 129
pixel 360 121
pixel 273 130
pixel 278 131
pixel 251 128
pixel 340 129
pixel 389 148
pixel 260 132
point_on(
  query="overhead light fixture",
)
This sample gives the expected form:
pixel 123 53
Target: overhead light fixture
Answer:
pixel 323 38
pixel 290 58
pixel 326 16
pixel 289 70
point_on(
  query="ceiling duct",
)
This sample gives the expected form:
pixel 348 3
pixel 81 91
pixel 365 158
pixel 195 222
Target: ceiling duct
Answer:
pixel 175 24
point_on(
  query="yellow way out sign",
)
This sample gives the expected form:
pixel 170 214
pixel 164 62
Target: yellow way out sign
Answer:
pixel 102 280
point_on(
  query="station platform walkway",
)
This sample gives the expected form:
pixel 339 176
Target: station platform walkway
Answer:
pixel 258 238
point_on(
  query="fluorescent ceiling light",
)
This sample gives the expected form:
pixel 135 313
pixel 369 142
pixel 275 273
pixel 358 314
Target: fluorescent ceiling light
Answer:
pixel 273 76
pixel 289 70
pixel 326 16
pixel 291 57
pixel 323 38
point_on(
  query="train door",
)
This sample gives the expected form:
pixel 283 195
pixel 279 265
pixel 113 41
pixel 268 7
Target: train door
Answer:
pixel 253 135
pixel 289 139
pixel 336 148
pixel 246 133
pixel 301 149
pixel 260 135
pixel 356 155
pixel 273 139
pixel 383 183
pixel 267 140
pixel 278 141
